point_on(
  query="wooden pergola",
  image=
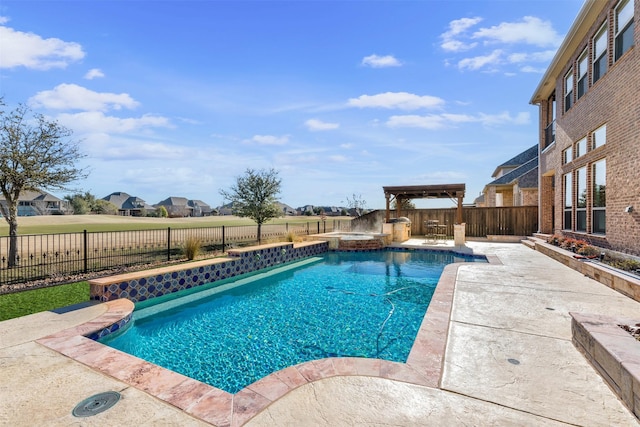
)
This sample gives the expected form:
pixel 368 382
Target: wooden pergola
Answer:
pixel 408 192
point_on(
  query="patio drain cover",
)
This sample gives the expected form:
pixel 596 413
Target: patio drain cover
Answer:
pixel 96 404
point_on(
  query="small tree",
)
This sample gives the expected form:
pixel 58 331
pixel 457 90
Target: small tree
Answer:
pixel 35 155
pixel 405 204
pixel 254 196
pixel 162 212
pixel 357 203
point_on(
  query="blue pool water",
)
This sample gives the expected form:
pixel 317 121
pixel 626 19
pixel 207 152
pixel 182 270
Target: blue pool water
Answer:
pixel 342 304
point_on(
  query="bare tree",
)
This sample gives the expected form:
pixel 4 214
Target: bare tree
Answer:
pixel 357 203
pixel 254 195
pixel 36 154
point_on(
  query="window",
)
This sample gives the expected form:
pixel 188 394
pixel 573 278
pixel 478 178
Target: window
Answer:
pixel 581 147
pixel 624 27
pixel 581 199
pixel 567 155
pixel 599 137
pixel 600 54
pixel 568 201
pixel 583 80
pixel 599 204
pixel 568 91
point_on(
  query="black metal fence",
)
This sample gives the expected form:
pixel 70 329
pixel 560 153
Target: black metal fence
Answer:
pixel 57 256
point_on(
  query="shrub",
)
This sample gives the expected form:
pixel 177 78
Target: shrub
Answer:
pixel 555 240
pixel 625 264
pixel 292 237
pixel 192 247
pixel 588 251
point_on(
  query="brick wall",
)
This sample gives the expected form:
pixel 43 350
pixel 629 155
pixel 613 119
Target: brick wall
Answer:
pixel 613 100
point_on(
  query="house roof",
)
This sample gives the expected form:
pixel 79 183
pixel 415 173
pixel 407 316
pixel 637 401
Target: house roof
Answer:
pixel 525 171
pixel 174 201
pixel 35 195
pixel 522 158
pixel 126 202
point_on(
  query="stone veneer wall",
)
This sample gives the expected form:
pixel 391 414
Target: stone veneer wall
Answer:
pixel 147 284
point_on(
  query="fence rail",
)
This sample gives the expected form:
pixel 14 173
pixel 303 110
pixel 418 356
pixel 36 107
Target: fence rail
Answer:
pixel 51 256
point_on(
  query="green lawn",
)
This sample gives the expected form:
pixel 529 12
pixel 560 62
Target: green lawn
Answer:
pixel 43 299
pixel 51 224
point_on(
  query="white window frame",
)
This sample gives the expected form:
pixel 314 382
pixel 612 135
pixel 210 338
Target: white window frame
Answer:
pixel 622 25
pixel 568 90
pixel 597 180
pixel 567 155
pixel 583 74
pixel 599 137
pixel 581 148
pixel 601 39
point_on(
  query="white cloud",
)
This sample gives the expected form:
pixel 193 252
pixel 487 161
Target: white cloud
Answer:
pixel 3 20
pixel 534 70
pixel 457 27
pixel 531 31
pixel 528 33
pixel 376 61
pixel 398 100
pixel 268 140
pixel 337 158
pixel 316 125
pixel 94 73
pixel 96 122
pixel 478 62
pixel 136 150
pixel 29 50
pixel 439 121
pixel 415 121
pixel 74 97
pixel 542 56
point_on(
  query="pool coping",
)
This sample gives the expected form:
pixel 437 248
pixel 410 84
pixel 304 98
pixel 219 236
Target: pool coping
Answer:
pixel 423 367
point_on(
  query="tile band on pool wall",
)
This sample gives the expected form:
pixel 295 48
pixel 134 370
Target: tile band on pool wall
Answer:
pixel 154 283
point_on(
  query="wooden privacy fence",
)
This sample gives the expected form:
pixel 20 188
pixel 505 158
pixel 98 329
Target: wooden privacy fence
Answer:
pixel 47 256
pixel 480 222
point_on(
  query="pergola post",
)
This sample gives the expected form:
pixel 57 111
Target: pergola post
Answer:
pixel 459 211
pixel 388 216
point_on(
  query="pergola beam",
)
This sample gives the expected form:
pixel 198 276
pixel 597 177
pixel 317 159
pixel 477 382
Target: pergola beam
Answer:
pixel 444 191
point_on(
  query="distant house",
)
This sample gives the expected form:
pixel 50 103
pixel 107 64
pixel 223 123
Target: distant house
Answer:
pixel 200 208
pixel 32 203
pixel 515 183
pixel 128 205
pixel 176 206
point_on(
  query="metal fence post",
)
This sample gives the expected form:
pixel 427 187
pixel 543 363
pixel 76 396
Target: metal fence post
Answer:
pixel 168 243
pixel 86 251
pixel 224 246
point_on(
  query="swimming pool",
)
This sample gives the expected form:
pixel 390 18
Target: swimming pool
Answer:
pixel 355 304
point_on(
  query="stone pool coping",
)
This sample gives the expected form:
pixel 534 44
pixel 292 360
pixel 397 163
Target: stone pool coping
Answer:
pixel 423 367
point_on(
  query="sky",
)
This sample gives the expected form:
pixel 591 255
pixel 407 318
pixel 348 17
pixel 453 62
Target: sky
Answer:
pixel 179 98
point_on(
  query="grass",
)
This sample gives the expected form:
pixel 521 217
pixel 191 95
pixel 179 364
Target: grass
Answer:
pixel 44 299
pixel 49 224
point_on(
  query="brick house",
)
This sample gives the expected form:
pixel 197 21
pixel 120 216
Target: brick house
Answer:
pixel 589 129
pixel 515 182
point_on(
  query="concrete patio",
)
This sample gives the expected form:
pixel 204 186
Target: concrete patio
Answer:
pixel 509 360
